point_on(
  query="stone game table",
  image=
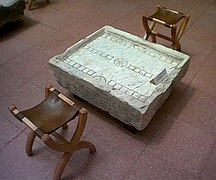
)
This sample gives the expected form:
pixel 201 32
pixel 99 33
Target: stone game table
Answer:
pixel 120 73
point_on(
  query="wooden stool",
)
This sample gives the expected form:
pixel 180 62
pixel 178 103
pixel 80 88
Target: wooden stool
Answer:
pixel 30 3
pixel 51 114
pixel 169 18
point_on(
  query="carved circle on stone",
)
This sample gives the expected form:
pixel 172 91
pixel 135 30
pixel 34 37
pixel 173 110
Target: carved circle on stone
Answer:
pixel 100 79
pixel 120 62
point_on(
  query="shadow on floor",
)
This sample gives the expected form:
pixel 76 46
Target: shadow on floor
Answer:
pixel 12 29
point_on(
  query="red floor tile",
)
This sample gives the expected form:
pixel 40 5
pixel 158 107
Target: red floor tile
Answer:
pixel 15 164
pixel 27 64
pixel 10 80
pixel 187 134
pixel 76 29
pixel 201 32
pixel 56 44
pixel 198 5
pixel 204 80
pixel 209 166
pixel 149 166
pixel 35 34
pixel 10 48
pixel 9 132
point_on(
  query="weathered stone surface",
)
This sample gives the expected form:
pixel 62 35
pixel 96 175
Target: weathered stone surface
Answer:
pixel 120 73
pixel 11 10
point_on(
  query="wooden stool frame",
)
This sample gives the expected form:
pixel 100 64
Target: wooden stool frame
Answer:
pixel 175 35
pixel 30 3
pixel 67 147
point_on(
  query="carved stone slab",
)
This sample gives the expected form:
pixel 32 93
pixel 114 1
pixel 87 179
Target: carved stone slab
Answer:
pixel 120 73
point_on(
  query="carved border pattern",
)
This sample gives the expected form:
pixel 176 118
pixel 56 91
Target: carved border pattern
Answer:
pixel 142 48
pixel 82 68
pixel 129 43
pixel 126 90
pixel 111 83
pixel 120 62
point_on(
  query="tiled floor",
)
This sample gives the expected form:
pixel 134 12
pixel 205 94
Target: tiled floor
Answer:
pixel 180 141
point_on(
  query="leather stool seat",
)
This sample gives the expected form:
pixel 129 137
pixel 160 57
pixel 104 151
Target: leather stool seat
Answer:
pixel 47 117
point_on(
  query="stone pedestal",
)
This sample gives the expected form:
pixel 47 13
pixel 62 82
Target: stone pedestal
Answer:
pixel 11 10
pixel 120 73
